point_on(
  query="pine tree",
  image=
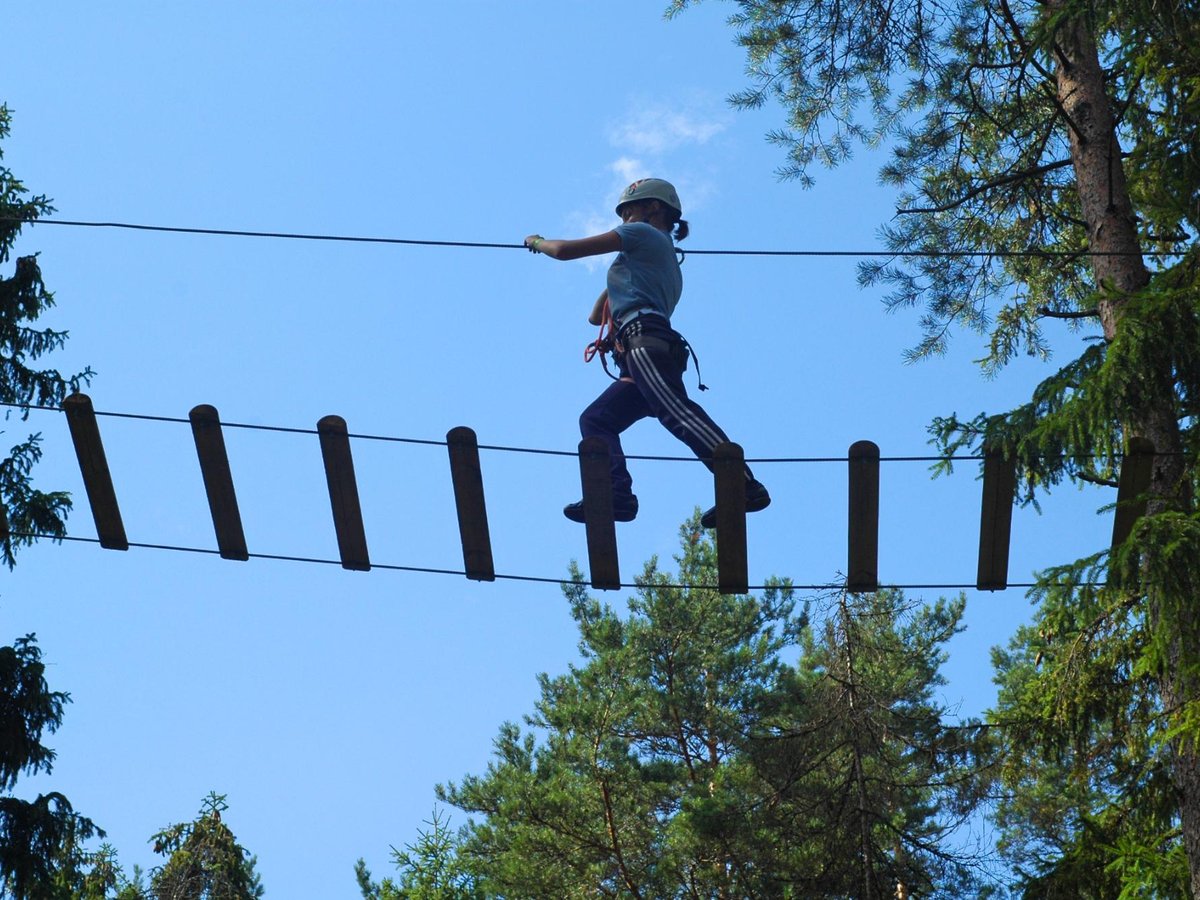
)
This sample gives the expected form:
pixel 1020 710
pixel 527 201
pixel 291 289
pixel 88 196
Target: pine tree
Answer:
pixel 204 860
pixel 719 746
pixel 429 869
pixel 1045 154
pixel 23 298
pixel 38 838
pixel 83 874
pixel 869 774
pixel 34 834
pixel 1087 809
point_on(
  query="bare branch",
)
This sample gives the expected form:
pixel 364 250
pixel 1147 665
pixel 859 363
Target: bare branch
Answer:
pixel 991 185
pixel 1094 479
pixel 1049 313
pixel 1019 35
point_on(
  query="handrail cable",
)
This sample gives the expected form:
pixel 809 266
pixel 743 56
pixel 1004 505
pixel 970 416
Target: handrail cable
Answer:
pixel 430 442
pixel 358 239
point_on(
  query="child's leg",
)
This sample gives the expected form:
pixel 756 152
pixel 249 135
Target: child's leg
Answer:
pixel 660 380
pixel 656 369
pixel 610 414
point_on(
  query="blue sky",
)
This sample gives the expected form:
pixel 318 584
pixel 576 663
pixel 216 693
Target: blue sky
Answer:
pixel 326 704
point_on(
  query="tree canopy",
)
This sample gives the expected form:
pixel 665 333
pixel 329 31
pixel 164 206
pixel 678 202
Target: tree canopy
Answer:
pixel 204 860
pixel 23 298
pixel 34 834
pixel 1046 160
pixel 430 868
pixel 709 745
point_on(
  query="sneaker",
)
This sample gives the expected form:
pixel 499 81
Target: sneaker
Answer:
pixel 625 509
pixel 756 498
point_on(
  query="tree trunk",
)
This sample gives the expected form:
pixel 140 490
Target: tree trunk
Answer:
pixel 1120 272
pixel 871 889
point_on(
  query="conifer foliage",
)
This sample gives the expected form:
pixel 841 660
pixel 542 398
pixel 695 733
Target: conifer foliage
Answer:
pixel 1046 159
pixel 709 745
pixel 34 834
pixel 204 860
pixel 430 868
pixel 23 298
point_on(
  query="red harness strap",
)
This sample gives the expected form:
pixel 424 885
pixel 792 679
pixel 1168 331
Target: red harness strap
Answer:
pixel 605 341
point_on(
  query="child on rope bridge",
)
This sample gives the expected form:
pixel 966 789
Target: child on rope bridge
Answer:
pixel 644 286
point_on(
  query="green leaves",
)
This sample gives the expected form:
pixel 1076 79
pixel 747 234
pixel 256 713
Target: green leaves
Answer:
pixel 430 868
pixel 715 745
pixel 37 837
pixel 34 836
pixel 23 298
pixel 1041 150
pixel 1086 802
pixel 27 709
pixel 204 859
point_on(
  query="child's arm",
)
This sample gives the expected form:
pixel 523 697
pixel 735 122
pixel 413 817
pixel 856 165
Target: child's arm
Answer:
pixel 596 316
pixel 609 242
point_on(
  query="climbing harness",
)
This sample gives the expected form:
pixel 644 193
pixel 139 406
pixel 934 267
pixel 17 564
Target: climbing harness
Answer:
pixel 606 342
pixel 632 335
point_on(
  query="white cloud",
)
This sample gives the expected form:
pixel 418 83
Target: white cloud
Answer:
pixel 654 138
pixel 597 220
pixel 657 130
pixel 628 170
pixel 651 141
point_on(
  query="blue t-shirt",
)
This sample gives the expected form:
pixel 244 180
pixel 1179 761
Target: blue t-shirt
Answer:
pixel 645 275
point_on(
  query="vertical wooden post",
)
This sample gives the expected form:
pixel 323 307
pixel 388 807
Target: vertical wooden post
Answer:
pixel 729 477
pixel 343 493
pixel 862 573
pixel 463 447
pixel 995 520
pixel 1137 468
pixel 93 466
pixel 218 482
pixel 595 474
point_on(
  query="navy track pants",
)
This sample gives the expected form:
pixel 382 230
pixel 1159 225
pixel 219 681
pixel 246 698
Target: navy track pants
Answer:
pixel 655 357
